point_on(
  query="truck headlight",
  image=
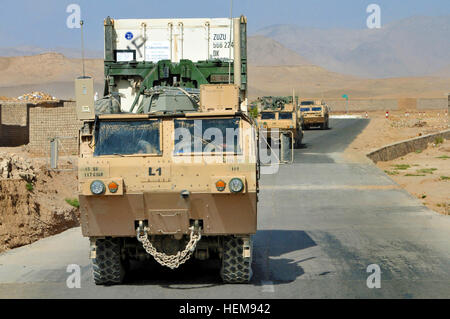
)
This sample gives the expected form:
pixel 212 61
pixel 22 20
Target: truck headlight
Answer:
pixel 236 185
pixel 97 187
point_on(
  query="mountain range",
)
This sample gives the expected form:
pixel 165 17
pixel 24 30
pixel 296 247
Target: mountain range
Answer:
pixel 409 58
pixel 416 46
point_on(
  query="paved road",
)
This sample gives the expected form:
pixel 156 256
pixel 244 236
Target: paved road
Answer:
pixel 322 221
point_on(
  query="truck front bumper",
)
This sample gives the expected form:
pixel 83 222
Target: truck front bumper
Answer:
pixel 168 214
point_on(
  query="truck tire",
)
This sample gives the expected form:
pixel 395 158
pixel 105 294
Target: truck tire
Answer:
pixel 106 264
pixel 235 268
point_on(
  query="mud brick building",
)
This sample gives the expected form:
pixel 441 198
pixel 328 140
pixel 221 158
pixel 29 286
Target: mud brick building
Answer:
pixel 35 125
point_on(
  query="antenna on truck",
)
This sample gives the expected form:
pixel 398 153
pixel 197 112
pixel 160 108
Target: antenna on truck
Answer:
pixel 82 46
pixel 231 31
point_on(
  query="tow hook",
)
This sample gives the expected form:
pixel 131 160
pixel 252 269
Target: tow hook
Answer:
pixel 140 230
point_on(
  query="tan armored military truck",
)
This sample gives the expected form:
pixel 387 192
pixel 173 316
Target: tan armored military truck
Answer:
pixel 168 166
pixel 279 113
pixel 315 113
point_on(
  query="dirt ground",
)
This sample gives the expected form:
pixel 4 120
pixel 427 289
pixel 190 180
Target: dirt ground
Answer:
pixel 425 173
pixel 401 125
pixel 33 205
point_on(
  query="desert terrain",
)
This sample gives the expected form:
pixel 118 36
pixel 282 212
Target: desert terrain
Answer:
pixel 273 70
pixel 45 205
pixel 35 202
pixel 424 173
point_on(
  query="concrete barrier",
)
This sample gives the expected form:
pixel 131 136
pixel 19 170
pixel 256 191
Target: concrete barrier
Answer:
pixel 396 150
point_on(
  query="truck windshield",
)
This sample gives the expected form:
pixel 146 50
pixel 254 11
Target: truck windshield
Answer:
pixel 267 116
pixel 127 137
pixel 285 116
pixel 207 136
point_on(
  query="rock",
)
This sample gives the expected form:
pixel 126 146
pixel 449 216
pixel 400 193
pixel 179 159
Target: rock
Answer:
pixel 15 167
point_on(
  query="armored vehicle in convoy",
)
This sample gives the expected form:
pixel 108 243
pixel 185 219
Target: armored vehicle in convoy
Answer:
pixel 280 114
pixel 315 113
pixel 168 165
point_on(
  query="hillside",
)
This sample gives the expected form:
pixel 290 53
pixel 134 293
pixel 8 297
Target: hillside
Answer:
pixel 265 51
pixel 312 80
pixel 44 68
pixel 273 70
pixel 49 72
pixel 417 46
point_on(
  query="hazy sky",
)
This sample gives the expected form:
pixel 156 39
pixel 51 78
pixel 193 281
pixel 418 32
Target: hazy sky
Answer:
pixel 43 22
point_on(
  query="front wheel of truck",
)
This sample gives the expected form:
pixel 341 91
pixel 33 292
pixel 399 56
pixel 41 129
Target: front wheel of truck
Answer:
pixel 106 262
pixel 236 260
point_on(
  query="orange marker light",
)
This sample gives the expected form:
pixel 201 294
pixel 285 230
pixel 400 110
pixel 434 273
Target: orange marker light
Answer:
pixel 220 185
pixel 113 187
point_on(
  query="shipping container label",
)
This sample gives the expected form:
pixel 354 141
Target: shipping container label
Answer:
pixel 192 39
pixel 157 50
pixel 222 44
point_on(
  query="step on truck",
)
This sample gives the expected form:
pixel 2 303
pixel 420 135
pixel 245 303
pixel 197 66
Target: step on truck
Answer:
pixel 168 164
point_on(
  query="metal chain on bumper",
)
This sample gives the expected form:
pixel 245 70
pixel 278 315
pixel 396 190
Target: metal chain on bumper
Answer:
pixel 171 261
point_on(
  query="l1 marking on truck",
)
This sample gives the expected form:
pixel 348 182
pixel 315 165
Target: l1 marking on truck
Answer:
pixel 153 173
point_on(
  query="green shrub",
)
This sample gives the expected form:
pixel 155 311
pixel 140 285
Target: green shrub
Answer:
pixel 402 166
pixel 426 170
pixel 29 187
pixel 391 172
pixel 438 140
pixel 73 202
pixel 254 112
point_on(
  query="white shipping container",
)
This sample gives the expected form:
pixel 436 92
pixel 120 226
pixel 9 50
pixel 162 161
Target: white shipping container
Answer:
pixel 176 39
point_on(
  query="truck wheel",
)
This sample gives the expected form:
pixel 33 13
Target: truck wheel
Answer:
pixel 106 264
pixel 235 267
